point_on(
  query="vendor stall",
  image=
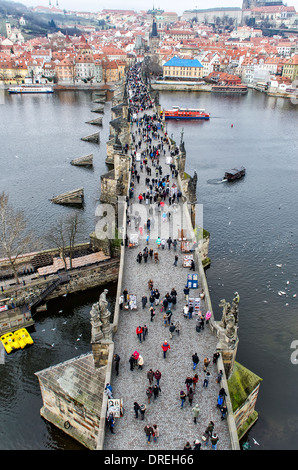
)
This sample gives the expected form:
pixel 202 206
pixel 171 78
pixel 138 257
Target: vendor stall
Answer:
pixel 195 302
pixel 133 240
pixel 187 261
pixel 193 281
pixel 131 303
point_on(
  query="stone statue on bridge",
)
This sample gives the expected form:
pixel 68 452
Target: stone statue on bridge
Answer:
pixel 100 319
pixel 230 316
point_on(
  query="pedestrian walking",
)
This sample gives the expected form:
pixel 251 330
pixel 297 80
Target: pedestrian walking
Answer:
pixel 214 440
pixel 111 422
pixel 149 393
pixel 206 379
pixel 186 293
pixel 190 311
pixel 206 363
pixel 145 332
pixel 195 412
pixel 139 332
pixel 208 316
pixel 206 437
pixel 117 363
pixel 175 260
pixel 182 397
pixel 223 411
pixel 150 376
pixel 136 408
pixel 222 392
pixel 142 411
pixel 169 314
pixel 155 390
pixel 157 297
pixel 132 362
pixel 125 294
pixel 190 395
pixel 108 390
pixel 144 301
pixel 197 445
pixel 165 346
pixel 210 428
pixel 155 432
pixel 178 327
pixel 195 360
pixel 220 400
pixel 185 311
pixel 157 376
pixel 215 357
pixel 219 377
pixel 152 313
pixel 148 431
pixel 140 362
pixel 188 382
pixel 171 330
pixel 195 380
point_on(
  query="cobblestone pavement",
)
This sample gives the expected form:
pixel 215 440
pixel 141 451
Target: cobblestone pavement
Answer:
pixel 175 424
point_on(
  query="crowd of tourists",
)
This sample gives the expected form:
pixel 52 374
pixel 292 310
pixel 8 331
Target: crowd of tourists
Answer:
pixel 151 144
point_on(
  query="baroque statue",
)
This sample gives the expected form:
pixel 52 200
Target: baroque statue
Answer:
pixel 230 316
pixel 100 319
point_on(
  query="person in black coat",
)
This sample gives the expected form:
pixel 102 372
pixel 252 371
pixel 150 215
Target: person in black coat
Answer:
pixel 136 408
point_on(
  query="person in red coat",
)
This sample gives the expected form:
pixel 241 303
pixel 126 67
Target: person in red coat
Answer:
pixel 139 332
pixel 165 346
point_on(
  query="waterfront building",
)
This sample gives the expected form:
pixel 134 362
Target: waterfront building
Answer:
pixel 65 71
pixel 112 70
pixel 290 68
pixel 35 69
pixel 48 70
pixel 190 69
pixel 84 67
pixel 210 63
pixel 12 72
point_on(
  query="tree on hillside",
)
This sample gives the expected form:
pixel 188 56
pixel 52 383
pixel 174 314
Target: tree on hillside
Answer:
pixel 14 237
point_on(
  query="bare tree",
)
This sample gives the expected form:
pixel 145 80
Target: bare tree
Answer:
pixel 14 237
pixel 64 236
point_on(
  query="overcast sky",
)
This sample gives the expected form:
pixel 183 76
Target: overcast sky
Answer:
pixel 177 6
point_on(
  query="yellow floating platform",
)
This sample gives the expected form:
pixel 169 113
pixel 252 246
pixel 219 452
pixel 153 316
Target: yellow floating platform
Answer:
pixel 17 340
pixel 23 337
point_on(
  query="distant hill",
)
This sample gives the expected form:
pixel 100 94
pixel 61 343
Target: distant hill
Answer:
pixel 36 24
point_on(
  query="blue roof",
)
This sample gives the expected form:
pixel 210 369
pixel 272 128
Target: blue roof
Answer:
pixel 176 62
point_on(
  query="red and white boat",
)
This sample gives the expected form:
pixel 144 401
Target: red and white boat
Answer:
pixel 179 113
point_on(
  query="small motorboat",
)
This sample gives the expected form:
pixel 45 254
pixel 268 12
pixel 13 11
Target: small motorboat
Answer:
pixel 234 174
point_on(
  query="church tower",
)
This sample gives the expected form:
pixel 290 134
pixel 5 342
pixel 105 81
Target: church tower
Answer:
pixel 154 36
pixel 8 29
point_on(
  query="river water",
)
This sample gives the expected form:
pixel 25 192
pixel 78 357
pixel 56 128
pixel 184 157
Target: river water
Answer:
pixel 251 221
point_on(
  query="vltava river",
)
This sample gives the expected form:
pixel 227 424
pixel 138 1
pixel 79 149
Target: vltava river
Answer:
pixel 253 228
pixel 252 224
